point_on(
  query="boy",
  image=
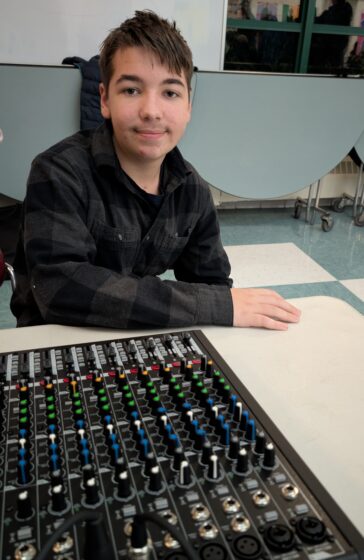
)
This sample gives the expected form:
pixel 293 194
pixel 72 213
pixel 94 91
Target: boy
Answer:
pixel 109 210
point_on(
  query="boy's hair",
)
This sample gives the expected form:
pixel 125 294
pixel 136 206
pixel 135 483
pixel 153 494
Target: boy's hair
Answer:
pixel 157 35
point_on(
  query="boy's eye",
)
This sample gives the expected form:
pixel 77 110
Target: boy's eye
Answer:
pixel 130 91
pixel 171 93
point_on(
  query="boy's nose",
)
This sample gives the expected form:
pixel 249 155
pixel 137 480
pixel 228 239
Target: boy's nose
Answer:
pixel 150 108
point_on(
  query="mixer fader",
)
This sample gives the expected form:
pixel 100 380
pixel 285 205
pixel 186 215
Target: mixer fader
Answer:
pixel 151 447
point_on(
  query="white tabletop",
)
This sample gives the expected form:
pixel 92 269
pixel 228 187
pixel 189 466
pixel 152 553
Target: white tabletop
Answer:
pixel 309 380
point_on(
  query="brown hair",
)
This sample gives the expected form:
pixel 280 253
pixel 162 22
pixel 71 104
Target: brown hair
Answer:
pixel 157 35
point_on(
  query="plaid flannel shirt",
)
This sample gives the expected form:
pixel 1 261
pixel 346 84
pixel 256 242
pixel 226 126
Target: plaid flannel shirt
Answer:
pixel 91 247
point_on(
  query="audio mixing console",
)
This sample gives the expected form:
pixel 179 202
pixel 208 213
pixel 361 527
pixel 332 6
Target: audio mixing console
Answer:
pixel 151 447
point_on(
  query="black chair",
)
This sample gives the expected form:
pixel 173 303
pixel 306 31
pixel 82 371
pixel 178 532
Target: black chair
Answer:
pixel 6 270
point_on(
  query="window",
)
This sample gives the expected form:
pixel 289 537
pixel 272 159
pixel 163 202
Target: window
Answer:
pixel 314 36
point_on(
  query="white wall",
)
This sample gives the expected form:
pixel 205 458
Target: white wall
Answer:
pixel 46 31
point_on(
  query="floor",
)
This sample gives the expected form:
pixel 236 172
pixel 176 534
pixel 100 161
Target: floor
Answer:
pixel 267 247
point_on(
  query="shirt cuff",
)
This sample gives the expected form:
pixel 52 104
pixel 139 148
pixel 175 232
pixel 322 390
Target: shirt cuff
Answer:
pixel 214 305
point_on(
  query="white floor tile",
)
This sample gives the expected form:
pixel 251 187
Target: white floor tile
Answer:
pixel 356 286
pixel 273 265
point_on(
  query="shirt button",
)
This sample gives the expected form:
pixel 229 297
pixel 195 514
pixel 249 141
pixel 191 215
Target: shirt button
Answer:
pixel 148 237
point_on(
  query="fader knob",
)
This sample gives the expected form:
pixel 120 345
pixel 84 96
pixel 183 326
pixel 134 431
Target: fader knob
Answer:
pixel 24 506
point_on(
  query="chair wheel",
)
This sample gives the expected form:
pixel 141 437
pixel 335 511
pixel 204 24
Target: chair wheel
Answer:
pixel 327 223
pixel 297 210
pixel 338 205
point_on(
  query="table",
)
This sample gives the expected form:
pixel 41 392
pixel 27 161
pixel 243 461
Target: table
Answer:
pixel 309 380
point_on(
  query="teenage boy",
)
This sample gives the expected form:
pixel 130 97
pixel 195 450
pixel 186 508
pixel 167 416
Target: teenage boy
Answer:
pixel 109 210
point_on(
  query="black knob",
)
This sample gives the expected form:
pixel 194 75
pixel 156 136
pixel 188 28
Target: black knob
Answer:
pixel 58 498
pixel 206 453
pixel 234 447
pixel 150 462
pixel 184 475
pixel 178 458
pixel 120 466
pixel 24 505
pixel 87 473
pixel 56 478
pixel 260 443
pixel 155 479
pixel 92 493
pixel 213 470
pixel 269 458
pixel 242 464
pixel 123 485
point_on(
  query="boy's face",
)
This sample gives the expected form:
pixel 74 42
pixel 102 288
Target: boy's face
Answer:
pixel 149 106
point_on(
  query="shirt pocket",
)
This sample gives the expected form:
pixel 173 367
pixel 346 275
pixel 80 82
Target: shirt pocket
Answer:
pixel 116 247
pixel 172 245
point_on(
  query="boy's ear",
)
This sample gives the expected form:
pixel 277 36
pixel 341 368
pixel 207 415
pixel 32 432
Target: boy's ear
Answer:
pixel 104 102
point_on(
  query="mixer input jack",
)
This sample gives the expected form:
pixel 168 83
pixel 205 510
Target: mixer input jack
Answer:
pixel 247 547
pixel 25 551
pixel 279 538
pixel 311 530
pixel 213 551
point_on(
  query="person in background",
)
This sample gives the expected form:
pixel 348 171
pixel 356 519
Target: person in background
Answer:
pixel 328 51
pixel 108 210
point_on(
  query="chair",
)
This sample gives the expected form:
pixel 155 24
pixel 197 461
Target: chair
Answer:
pixel 6 270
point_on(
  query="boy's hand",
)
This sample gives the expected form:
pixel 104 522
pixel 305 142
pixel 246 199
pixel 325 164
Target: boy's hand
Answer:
pixel 259 307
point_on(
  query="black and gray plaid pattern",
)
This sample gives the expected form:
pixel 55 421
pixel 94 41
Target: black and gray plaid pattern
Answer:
pixel 91 246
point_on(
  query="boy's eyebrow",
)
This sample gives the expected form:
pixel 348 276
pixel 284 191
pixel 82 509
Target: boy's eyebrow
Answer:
pixel 134 78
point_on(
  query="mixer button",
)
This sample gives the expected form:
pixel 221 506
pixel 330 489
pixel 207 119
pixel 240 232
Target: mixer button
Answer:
pixel 234 447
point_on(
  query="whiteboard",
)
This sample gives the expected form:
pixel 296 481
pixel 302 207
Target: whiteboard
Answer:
pixel 46 31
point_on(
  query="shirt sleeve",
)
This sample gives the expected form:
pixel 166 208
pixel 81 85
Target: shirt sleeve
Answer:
pixel 69 289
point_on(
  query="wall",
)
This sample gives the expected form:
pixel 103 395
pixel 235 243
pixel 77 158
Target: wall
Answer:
pixel 46 31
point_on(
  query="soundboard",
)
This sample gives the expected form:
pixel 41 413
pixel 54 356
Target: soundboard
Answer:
pixel 152 448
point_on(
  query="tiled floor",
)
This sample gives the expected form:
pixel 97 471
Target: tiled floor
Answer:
pixel 270 248
pixel 267 247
